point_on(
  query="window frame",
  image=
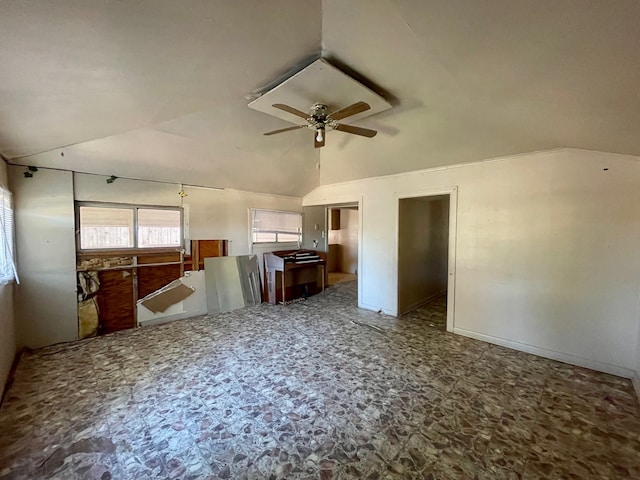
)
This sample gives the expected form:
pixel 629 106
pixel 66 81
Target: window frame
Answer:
pixel 276 242
pixel 127 250
pixel 9 242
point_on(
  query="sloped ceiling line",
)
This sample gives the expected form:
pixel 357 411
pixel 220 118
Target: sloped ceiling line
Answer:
pixel 161 87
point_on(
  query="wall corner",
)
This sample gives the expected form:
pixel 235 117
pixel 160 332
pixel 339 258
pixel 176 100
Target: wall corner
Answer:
pixel 636 384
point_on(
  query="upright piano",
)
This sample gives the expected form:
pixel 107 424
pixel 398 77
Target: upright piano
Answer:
pixel 292 275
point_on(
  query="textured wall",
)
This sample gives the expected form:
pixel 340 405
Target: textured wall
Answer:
pixel 46 311
pixel 547 256
pixel 46 299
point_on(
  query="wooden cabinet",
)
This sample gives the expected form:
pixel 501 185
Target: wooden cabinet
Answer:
pixel 334 221
pixel 333 257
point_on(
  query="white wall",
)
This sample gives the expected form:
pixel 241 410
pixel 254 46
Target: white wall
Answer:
pixel 547 253
pixel 7 321
pixel 212 214
pixel 46 309
pixel 45 245
pixel 224 214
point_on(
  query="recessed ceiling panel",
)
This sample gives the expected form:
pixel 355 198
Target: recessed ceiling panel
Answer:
pixel 323 83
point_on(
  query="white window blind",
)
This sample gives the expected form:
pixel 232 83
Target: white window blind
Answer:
pixel 106 227
pixel 128 226
pixel 7 257
pixel 269 226
pixel 158 228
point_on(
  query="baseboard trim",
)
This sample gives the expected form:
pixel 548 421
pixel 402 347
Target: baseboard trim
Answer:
pixel 551 354
pixel 376 308
pixel 636 383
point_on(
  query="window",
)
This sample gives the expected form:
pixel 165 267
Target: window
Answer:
pixel 269 226
pixel 108 227
pixel 7 258
pixel 158 228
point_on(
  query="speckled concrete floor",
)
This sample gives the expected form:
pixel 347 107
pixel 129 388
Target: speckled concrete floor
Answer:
pixel 317 389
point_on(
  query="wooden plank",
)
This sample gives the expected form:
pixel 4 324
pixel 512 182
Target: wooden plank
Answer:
pixel 151 279
pixel 159 258
pixel 211 248
pixel 115 300
pixel 195 252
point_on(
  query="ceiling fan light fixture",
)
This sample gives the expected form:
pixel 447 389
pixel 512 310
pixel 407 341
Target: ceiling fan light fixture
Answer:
pixel 319 120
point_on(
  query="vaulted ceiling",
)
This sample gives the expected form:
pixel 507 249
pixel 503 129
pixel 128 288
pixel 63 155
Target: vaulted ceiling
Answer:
pixel 159 89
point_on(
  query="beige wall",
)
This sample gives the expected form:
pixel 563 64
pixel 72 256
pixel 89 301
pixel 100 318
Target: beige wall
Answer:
pixel 546 257
pixel 210 213
pixel 7 322
pixel 45 306
pixel 422 250
pixel 46 298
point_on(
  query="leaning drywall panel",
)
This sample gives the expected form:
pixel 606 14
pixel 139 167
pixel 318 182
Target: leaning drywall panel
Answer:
pixel 547 251
pixel 232 283
pixel 192 306
pixel 45 245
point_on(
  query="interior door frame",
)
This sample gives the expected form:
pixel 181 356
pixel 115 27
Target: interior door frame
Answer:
pixel 350 201
pixel 452 192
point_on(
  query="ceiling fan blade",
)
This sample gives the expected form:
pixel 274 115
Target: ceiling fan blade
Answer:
pixel 364 132
pixel 345 112
pixel 294 111
pixel 273 132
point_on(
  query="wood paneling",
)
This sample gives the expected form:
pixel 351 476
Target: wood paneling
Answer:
pixel 201 249
pixel 116 294
pixel 151 279
pixel 115 300
pixel 159 258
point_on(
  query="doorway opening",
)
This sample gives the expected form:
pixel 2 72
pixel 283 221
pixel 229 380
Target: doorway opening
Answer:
pixel 335 229
pixel 342 253
pixel 425 277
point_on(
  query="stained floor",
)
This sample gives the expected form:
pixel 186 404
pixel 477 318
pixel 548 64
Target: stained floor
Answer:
pixel 312 390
